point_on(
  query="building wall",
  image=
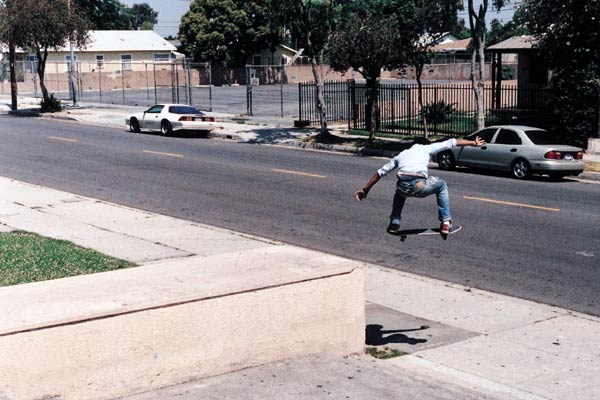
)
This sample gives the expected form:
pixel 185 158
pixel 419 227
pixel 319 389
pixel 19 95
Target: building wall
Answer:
pixel 112 61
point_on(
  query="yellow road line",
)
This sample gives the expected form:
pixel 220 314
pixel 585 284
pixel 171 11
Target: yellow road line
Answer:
pixel 61 138
pixel 160 153
pixel 507 203
pixel 285 171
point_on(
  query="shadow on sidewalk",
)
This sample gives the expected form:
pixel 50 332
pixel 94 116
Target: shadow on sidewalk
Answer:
pixel 375 335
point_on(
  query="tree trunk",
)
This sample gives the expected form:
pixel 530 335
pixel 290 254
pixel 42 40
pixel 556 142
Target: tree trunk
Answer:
pixel 13 76
pixel 41 71
pixel 419 72
pixel 480 84
pixel 372 106
pixel 321 106
pixel 477 91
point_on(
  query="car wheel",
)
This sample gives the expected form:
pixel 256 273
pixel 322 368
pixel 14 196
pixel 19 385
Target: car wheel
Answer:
pixel 446 160
pixel 165 127
pixel 520 169
pixel 134 125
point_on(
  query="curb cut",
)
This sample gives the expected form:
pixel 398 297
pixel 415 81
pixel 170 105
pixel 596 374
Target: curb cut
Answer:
pixel 359 151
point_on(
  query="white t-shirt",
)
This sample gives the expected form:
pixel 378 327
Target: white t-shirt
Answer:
pixel 415 160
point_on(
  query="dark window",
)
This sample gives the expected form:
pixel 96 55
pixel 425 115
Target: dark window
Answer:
pixel 183 110
pixel 485 134
pixel 508 137
pixel 542 137
pixel 155 109
pixel 257 60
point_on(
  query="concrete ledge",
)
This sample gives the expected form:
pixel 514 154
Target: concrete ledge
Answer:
pixel 112 334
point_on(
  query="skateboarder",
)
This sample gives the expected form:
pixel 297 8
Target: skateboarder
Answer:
pixel 414 180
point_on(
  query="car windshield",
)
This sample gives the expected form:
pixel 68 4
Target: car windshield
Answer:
pixel 542 137
pixel 183 110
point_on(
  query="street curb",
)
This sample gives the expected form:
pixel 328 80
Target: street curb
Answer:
pixel 26 112
pixel 360 151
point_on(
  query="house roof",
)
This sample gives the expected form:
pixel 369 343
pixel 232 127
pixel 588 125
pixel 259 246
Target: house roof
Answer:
pixel 125 41
pixel 514 44
pixel 448 47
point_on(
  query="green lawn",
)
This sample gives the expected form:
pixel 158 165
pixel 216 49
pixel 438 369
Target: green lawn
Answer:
pixel 27 257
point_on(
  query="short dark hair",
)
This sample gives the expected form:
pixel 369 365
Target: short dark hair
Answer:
pixel 422 140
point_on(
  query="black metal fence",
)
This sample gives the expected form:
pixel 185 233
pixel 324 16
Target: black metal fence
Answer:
pixel 450 109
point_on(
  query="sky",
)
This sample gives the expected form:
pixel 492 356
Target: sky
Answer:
pixel 170 12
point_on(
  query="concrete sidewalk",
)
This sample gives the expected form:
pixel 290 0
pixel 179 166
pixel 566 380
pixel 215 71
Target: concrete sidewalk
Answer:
pixel 462 343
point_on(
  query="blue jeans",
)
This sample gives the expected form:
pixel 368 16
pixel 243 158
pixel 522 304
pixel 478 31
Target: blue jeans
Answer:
pixel 421 187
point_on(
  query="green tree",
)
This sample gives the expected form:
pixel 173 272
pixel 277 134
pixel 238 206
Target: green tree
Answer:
pixel 372 35
pixel 499 32
pixel 107 14
pixel 310 23
pixel 227 30
pixel 434 19
pixel 44 25
pixel 478 31
pixel 568 32
pixel 144 16
pixel 9 29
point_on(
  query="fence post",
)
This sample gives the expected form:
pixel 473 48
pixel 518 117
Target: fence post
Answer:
pixel 281 88
pixel 189 81
pixel 248 92
pixel 100 81
pixel 123 81
pixel 209 86
pixel 147 83
pixel 155 94
pixel 300 101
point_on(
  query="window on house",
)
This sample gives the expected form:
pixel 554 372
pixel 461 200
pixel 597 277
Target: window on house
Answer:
pixel 100 60
pixel 126 62
pixel 257 60
pixel 68 61
pixel 31 63
pixel 162 57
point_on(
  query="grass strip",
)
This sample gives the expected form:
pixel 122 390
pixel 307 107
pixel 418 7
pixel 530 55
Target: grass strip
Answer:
pixel 27 257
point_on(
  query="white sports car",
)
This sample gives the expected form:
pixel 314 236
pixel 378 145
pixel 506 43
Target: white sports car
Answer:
pixel 168 118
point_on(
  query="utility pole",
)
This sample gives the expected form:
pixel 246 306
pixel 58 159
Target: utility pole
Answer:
pixel 72 79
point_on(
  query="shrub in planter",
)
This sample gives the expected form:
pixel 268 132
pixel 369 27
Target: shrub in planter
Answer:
pixel 52 105
pixel 438 112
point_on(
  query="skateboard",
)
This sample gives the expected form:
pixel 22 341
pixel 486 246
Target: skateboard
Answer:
pixel 425 231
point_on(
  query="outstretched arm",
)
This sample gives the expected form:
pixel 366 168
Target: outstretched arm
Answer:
pixel 478 142
pixel 362 193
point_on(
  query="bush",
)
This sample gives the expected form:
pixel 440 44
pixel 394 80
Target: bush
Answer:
pixel 438 112
pixel 508 73
pixel 52 105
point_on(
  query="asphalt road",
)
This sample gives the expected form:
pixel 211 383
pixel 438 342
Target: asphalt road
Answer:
pixel 537 239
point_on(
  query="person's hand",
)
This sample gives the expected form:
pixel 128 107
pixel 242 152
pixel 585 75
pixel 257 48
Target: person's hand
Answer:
pixel 360 195
pixel 479 141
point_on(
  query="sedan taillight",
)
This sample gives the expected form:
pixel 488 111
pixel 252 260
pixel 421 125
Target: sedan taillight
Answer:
pixel 579 155
pixel 553 155
pixel 208 119
pixel 186 118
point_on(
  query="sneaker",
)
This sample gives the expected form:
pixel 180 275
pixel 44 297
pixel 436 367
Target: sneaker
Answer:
pixel 393 228
pixel 445 228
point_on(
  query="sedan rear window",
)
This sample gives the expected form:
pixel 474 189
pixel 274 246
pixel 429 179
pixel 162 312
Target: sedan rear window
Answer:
pixel 542 137
pixel 183 110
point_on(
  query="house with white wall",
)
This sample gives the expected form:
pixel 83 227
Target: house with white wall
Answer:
pixel 116 51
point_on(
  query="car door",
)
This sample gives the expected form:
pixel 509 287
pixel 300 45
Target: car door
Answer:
pixel 475 156
pixel 152 117
pixel 505 148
